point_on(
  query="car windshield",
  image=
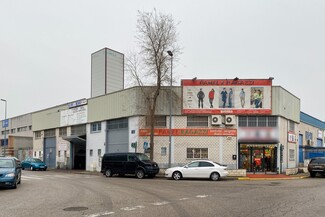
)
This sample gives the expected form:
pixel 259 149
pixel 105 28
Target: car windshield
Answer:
pixel 6 163
pixel 143 157
pixel 36 160
pixel 318 161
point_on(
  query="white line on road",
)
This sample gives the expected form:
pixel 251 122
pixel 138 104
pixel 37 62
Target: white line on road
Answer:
pixel 201 196
pixel 100 214
pixel 160 203
pixel 132 208
pixel 185 198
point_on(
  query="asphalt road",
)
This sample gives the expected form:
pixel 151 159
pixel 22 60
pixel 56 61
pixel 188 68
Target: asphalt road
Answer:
pixel 64 194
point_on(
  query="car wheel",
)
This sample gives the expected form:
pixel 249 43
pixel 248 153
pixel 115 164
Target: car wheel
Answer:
pixel 215 176
pixel 15 185
pixel 177 175
pixel 108 173
pixel 19 182
pixel 139 174
pixel 31 168
pixel 44 169
pixel 312 174
pixel 23 168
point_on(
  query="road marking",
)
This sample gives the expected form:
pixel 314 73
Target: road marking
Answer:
pixel 201 196
pixel 160 203
pixel 132 208
pixel 185 198
pixel 100 214
pixel 30 177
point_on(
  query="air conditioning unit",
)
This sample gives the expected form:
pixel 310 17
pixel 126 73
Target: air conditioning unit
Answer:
pixel 216 120
pixel 230 120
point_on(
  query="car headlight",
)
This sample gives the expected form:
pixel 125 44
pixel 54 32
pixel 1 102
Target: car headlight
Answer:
pixel 10 175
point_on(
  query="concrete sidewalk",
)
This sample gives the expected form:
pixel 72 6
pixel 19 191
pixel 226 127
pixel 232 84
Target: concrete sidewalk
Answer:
pixel 247 177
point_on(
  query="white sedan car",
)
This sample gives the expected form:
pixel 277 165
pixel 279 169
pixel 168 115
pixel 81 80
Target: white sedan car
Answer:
pixel 198 169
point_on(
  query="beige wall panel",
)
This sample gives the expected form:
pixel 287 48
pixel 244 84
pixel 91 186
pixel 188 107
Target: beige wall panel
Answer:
pixel 303 128
pixel 285 104
pixel 47 119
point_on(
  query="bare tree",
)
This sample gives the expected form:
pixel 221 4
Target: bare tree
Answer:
pixel 156 34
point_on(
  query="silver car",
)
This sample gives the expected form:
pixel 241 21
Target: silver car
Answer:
pixel 198 169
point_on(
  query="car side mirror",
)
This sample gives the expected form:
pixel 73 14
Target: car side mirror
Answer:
pixel 186 167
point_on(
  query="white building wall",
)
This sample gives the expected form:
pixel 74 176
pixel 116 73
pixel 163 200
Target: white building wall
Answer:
pixel 95 141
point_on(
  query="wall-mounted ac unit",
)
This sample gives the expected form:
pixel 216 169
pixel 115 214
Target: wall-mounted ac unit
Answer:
pixel 230 120
pixel 216 120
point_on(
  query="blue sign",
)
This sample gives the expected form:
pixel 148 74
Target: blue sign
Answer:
pixel 5 123
pixel 145 145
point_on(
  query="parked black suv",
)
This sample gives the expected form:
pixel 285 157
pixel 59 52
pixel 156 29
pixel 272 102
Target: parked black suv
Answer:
pixel 316 165
pixel 128 163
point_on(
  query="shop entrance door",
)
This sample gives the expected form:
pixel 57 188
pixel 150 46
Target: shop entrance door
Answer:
pixel 258 158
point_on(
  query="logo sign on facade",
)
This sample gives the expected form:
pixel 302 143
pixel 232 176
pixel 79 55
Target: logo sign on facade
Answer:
pixel 320 134
pixel 5 123
pixel 146 145
pixel 292 137
pixel 73 116
pixel 77 103
pixel 258 134
pixel 234 96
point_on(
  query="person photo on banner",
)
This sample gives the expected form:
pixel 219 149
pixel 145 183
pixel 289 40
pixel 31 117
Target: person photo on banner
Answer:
pixel 200 96
pixel 258 100
pixel 224 97
pixel 242 97
pixel 230 99
pixel 211 97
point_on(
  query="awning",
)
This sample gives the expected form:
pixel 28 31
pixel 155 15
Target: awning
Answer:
pixel 75 139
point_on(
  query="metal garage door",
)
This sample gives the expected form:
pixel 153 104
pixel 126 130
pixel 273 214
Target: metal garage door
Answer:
pixel 117 136
pixel 50 152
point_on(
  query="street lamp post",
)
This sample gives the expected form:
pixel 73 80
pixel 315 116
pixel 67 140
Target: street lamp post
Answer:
pixel 5 125
pixel 170 110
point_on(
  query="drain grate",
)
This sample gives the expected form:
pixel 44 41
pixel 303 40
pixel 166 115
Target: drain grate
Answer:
pixel 76 208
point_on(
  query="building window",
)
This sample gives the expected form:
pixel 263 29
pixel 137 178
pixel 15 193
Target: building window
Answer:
pixel 96 127
pixel 262 121
pixel 99 152
pixel 13 130
pixel 160 121
pixel 273 121
pixel 65 153
pixel 197 153
pixel 49 133
pixel 163 151
pixel 62 131
pixel 59 153
pixel 90 152
pixel 118 124
pixel 258 121
pixel 291 155
pixel 38 134
pixel 34 153
pixel 252 121
pixel 242 121
pixel 197 121
pixel 39 154
pixel 30 128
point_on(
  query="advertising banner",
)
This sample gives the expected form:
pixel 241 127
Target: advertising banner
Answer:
pixel 73 116
pixel 190 132
pixel 224 96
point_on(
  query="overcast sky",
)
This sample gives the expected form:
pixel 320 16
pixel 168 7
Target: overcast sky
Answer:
pixel 45 46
